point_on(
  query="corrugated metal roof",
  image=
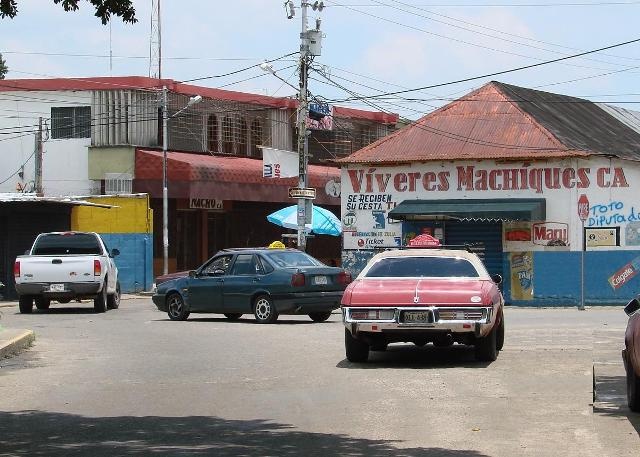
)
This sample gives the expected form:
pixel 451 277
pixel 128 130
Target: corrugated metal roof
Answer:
pixel 504 122
pixel 17 197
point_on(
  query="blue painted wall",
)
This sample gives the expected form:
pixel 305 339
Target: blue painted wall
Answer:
pixel 135 262
pixel 556 279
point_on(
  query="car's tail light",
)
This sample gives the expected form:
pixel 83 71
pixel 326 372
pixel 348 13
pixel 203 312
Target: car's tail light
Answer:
pixel 373 314
pixel 97 268
pixel 344 278
pixel 16 269
pixel 297 280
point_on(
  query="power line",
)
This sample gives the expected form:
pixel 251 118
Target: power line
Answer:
pixel 511 70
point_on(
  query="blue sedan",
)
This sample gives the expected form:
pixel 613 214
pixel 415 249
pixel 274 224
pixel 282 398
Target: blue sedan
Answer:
pixel 263 282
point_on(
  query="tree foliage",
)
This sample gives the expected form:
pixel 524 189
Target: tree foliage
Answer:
pixel 104 9
pixel 3 67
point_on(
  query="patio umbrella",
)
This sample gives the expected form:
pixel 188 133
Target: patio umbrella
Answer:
pixel 323 222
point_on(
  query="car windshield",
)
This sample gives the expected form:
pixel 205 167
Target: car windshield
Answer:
pixel 67 243
pixel 432 267
pixel 286 259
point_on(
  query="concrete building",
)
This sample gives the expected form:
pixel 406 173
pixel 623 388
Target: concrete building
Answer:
pixel 508 168
pixel 104 136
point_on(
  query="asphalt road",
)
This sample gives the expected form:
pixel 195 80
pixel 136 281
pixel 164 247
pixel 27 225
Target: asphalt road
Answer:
pixel 130 382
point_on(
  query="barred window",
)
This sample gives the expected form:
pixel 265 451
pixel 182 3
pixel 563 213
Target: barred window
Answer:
pixel 71 122
pixel 227 135
pixel 212 133
pixel 256 138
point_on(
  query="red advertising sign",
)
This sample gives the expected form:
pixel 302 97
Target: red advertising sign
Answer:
pixel 583 207
pixel 424 240
pixel 623 275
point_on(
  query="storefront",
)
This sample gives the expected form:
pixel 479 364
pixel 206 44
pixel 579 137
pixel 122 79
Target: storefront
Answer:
pixel 518 208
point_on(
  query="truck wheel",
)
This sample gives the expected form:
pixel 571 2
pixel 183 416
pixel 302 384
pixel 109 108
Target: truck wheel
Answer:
pixel 100 302
pixel 500 335
pixel 356 350
pixel 43 303
pixel 26 304
pixel 264 310
pixel 320 317
pixel 177 309
pixel 113 300
pixel 633 390
pixel 486 348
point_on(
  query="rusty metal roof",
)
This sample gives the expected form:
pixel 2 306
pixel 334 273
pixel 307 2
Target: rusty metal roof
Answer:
pixel 504 122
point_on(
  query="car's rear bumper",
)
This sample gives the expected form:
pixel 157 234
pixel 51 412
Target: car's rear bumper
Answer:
pixel 71 290
pixel 307 302
pixel 442 320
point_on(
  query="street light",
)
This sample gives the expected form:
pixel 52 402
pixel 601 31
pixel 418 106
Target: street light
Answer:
pixel 165 194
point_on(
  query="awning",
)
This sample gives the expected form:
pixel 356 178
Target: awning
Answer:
pixel 226 178
pixel 501 209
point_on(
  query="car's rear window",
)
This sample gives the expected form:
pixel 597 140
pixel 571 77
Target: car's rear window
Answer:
pixel 67 243
pixel 286 259
pixel 432 267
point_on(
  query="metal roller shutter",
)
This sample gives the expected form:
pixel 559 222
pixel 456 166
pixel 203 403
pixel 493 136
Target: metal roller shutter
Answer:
pixel 487 234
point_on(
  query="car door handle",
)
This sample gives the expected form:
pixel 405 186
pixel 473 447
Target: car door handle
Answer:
pixel 256 279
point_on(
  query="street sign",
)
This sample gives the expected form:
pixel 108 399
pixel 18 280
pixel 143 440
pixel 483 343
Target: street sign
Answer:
pixel 302 192
pixel 583 207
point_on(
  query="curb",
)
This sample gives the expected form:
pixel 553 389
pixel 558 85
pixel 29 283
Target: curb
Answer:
pixel 17 344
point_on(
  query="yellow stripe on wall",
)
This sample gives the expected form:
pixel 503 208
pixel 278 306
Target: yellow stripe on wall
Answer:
pixel 130 214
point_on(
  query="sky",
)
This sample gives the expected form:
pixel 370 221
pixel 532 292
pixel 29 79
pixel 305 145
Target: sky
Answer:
pixel 369 47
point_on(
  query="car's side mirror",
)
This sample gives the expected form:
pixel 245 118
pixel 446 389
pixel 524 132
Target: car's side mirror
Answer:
pixel 632 307
pixel 193 273
pixel 27 252
pixel 115 252
pixel 496 278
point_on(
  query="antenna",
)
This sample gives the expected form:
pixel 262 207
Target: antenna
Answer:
pixel 155 42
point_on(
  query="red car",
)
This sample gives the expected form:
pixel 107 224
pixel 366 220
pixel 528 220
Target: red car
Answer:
pixel 423 295
pixel 631 354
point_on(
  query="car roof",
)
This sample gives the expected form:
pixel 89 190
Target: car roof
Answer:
pixel 260 249
pixel 451 253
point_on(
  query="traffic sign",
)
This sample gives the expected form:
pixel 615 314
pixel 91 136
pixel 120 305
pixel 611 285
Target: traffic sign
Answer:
pixel 583 207
pixel 302 192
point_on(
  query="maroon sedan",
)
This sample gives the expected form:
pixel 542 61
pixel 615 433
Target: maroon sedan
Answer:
pixel 631 354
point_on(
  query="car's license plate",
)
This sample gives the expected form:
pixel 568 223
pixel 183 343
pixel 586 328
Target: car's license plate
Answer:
pixel 320 280
pixel 416 317
pixel 56 287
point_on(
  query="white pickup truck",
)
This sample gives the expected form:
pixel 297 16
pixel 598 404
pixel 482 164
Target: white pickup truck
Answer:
pixel 65 266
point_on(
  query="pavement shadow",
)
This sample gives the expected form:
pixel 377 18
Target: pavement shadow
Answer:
pixel 411 357
pixel 39 433
pixel 248 320
pixel 62 309
pixel 611 400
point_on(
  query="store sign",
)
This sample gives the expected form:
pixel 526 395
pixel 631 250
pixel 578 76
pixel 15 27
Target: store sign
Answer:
pixel 206 203
pixel 583 207
pixel 550 233
pixel 624 274
pixel 602 236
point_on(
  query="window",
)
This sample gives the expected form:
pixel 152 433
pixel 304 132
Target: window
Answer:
pixel 67 243
pixel 71 122
pixel 256 138
pixel 286 259
pixel 227 135
pixel 422 267
pixel 212 133
pixel 244 265
pixel 242 139
pixel 219 263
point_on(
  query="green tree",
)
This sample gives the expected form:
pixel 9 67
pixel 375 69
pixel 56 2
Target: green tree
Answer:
pixel 3 67
pixel 104 9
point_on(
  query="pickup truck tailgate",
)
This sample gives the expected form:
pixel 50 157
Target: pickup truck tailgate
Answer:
pixel 56 269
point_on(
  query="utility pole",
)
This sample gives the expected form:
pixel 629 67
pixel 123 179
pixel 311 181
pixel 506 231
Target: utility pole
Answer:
pixel 303 112
pixel 165 192
pixel 38 160
pixel 310 46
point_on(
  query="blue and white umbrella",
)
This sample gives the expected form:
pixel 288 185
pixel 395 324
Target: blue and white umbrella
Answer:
pixel 323 222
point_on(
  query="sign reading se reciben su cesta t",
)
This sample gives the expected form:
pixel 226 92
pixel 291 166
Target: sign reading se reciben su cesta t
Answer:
pixel 624 274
